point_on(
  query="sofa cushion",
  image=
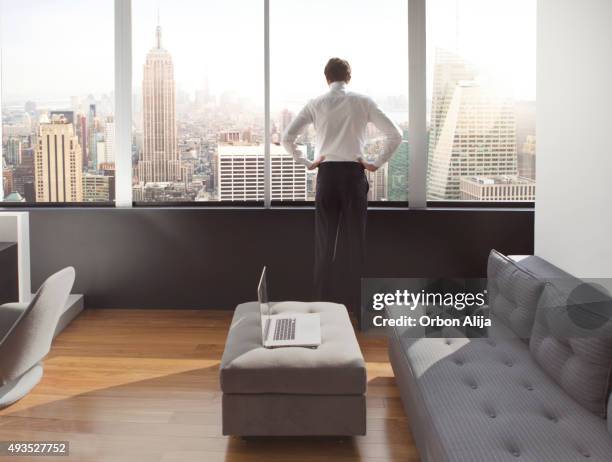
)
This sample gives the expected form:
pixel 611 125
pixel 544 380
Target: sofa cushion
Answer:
pixel 482 400
pixel 513 293
pixel 336 367
pixel 578 358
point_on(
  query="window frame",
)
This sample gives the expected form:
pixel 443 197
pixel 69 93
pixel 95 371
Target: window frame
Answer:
pixel 417 129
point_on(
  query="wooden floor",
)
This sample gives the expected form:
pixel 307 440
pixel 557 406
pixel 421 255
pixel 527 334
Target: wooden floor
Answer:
pixel 131 385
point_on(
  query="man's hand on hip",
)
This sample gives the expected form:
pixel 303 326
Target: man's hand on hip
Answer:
pixel 316 163
pixel 368 166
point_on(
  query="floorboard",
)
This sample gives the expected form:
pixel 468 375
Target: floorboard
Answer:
pixel 143 385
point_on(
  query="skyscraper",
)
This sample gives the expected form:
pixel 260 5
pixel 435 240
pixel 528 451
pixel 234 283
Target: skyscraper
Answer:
pixel 449 70
pixel 24 174
pixel 7 180
pixel 379 187
pixel 58 162
pixel 527 158
pixel 13 151
pixel 240 174
pixel 159 160
pixel 83 135
pixel 398 171
pixel 472 131
pixel 477 138
pixel 92 149
pixel 109 143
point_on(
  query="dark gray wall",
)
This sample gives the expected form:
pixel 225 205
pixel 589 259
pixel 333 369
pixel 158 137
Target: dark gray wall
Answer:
pixel 211 258
pixel 9 279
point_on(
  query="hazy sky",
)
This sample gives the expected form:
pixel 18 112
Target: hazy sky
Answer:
pixel 221 39
pixel 54 49
pixel 498 36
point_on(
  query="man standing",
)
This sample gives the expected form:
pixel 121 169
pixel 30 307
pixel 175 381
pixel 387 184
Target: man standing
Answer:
pixel 340 120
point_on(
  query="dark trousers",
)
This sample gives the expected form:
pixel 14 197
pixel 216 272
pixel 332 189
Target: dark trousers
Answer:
pixel 340 221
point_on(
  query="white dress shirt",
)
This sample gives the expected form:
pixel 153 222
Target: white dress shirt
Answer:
pixel 340 119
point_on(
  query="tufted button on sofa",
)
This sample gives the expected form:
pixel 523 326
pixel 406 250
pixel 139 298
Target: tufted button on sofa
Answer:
pixel 495 399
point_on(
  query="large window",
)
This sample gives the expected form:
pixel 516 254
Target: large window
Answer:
pixel 206 88
pixel 481 90
pixel 372 36
pixel 198 101
pixel 57 101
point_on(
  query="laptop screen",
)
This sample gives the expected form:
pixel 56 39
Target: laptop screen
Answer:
pixel 264 307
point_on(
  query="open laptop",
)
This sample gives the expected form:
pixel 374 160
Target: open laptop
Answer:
pixel 288 329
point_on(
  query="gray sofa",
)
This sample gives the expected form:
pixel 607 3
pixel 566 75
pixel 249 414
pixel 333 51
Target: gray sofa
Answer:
pixel 531 390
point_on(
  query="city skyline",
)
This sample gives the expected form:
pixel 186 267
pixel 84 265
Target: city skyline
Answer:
pixel 181 142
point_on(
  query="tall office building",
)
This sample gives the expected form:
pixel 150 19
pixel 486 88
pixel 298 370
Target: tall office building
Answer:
pixel 398 172
pixel 449 70
pixel 477 138
pixel 472 130
pixel 240 174
pixel 159 160
pixel 527 158
pixel 92 128
pixel 7 180
pixel 379 188
pixel 101 152
pixel 58 162
pixel 13 151
pixel 109 142
pixel 83 135
pixel 23 177
pixel 379 184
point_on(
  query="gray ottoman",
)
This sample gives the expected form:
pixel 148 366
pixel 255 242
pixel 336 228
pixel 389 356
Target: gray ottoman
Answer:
pixel 293 391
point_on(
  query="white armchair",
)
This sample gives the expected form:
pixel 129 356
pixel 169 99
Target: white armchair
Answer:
pixel 26 333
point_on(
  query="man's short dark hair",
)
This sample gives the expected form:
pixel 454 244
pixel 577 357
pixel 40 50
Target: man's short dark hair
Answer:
pixel 338 70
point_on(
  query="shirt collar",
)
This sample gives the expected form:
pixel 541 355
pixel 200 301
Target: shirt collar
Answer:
pixel 338 86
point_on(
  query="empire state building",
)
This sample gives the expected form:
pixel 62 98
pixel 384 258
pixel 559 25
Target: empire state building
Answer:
pixel 159 160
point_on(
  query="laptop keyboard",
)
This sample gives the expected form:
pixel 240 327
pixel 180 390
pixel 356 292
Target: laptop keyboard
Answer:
pixel 284 329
